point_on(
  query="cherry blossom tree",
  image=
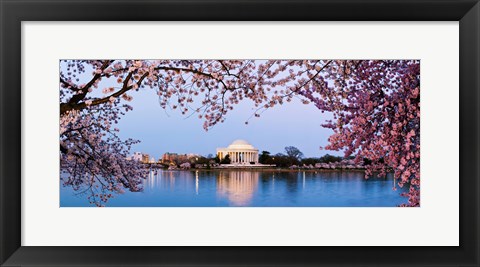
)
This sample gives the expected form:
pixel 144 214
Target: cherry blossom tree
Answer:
pixel 375 106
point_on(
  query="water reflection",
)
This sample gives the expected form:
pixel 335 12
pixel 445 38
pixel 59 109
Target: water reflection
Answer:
pixel 169 180
pixel 237 186
pixel 217 188
pixel 196 182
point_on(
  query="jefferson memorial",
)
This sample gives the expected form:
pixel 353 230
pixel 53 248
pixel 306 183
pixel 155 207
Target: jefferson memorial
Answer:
pixel 240 152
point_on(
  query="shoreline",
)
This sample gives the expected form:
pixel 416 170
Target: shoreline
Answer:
pixel 270 170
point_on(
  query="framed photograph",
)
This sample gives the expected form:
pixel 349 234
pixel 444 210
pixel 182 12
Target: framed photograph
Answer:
pixel 239 133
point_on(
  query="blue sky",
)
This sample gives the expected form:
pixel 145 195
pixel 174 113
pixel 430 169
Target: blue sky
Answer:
pixel 292 124
pixel 160 131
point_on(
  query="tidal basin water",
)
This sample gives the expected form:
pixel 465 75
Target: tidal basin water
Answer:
pixel 245 188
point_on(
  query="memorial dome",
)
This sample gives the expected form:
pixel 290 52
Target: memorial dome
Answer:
pixel 240 144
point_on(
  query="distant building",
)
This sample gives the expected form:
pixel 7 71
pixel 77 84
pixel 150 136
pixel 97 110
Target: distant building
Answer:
pixel 145 158
pixel 177 158
pixel 240 152
pixel 137 156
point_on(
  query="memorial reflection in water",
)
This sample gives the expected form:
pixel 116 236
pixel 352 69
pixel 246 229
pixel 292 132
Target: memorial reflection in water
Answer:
pixel 237 186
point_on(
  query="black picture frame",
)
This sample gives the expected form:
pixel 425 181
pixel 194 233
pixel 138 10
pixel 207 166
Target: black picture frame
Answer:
pixel 13 12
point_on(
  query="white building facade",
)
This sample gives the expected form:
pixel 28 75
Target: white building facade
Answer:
pixel 137 156
pixel 240 152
